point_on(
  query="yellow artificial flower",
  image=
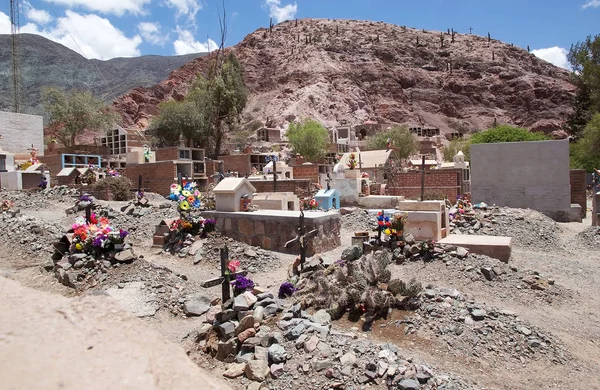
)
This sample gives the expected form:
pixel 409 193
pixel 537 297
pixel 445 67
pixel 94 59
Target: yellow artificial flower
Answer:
pixel 78 246
pixel 387 231
pixel 186 193
pixel 184 205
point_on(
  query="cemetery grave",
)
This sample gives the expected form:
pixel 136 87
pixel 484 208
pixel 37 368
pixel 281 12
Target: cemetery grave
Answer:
pixel 418 308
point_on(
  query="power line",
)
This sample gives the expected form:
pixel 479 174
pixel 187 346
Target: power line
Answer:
pixel 77 44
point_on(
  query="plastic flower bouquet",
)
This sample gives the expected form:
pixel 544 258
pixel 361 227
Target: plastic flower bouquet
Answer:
pixel 96 236
pixel 352 161
pixel 186 195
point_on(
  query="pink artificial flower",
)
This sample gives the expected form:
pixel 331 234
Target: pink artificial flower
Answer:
pixel 233 265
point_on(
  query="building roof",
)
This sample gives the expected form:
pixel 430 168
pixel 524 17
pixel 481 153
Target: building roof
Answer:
pixel 324 193
pixel 230 185
pixel 35 167
pixel 65 172
pixel 419 162
pixel 369 159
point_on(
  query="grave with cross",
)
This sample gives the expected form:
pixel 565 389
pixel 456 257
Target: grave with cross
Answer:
pixel 423 173
pixel 302 239
pixel 226 276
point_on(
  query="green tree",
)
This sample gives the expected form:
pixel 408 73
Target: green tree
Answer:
pixel 402 140
pixel 72 113
pixel 506 133
pixel 212 107
pixel 586 152
pixel 455 146
pixel 584 58
pixel 222 96
pixel 179 120
pixel 309 139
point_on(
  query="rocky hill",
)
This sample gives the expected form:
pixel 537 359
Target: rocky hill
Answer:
pixel 47 63
pixel 335 70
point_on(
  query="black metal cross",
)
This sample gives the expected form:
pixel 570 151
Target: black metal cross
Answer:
pixel 302 238
pixel 225 277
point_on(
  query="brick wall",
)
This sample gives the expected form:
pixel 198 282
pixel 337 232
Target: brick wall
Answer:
pixel 447 182
pixel 30 180
pixel 298 187
pixel 239 163
pixel 156 177
pixel 164 154
pixel 306 172
pixel 578 189
pixel 54 164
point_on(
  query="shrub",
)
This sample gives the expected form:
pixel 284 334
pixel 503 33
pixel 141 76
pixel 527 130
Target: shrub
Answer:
pixel 119 186
pixel 505 133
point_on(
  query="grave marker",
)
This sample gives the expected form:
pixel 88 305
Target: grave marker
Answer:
pixel 302 238
pixel 225 277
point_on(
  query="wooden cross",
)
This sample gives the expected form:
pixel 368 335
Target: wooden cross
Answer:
pixel 225 277
pixel 179 179
pixel 423 173
pixel 88 213
pixel 302 238
pixel 274 174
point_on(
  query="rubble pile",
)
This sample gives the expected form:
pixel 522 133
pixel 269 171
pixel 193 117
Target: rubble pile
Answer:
pixel 475 329
pixel 79 269
pixel 28 235
pixel 590 237
pixel 355 219
pixel 301 350
pixel 254 258
pixel 506 281
pixel 528 228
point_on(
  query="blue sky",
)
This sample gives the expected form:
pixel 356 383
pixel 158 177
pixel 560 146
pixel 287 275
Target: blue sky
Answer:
pixel 124 28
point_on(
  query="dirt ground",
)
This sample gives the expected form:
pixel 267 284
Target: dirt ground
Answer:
pixel 573 317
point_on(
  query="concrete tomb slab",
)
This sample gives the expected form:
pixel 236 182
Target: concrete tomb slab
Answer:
pixel 497 247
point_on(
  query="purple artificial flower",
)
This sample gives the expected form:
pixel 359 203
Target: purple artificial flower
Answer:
pixel 340 262
pixel 242 283
pixel 123 233
pixel 287 289
pixel 98 241
pixel 85 198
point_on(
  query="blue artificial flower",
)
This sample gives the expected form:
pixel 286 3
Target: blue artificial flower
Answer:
pixel 196 204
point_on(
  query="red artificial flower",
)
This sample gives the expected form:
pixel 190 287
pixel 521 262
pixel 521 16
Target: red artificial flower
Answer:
pixel 93 218
pixel 233 265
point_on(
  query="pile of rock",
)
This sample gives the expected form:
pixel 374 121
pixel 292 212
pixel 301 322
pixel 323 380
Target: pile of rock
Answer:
pixel 528 228
pixel 26 234
pixel 253 258
pixel 302 351
pixel 355 219
pixel 590 237
pixel 78 269
pixel 475 329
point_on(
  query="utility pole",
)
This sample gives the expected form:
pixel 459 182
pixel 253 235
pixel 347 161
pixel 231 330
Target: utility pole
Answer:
pixel 16 65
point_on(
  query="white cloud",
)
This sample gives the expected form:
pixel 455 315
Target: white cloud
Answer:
pixel 279 13
pixel 187 44
pixel 185 7
pixel 117 7
pixel 151 32
pixel 37 15
pixel 554 55
pixel 592 4
pixel 4 23
pixel 96 37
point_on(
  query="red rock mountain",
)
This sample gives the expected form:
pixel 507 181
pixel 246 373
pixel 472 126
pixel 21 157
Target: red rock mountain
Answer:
pixel 334 70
